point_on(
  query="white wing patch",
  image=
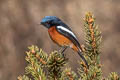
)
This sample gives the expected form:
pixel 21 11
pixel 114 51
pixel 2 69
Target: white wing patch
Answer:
pixel 67 30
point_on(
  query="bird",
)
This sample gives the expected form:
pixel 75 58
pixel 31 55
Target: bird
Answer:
pixel 62 35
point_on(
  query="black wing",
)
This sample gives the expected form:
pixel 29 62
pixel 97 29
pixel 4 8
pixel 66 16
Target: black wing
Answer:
pixel 67 32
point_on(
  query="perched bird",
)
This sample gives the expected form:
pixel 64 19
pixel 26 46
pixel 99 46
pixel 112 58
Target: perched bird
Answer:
pixel 62 35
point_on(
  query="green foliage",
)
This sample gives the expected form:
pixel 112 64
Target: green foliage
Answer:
pixel 67 74
pixel 36 61
pixel 23 78
pixel 92 52
pixel 42 66
pixel 113 76
pixel 55 63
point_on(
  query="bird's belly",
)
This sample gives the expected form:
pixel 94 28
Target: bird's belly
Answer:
pixel 58 38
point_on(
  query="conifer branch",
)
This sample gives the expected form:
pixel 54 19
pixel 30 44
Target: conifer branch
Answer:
pixel 42 66
pixel 92 41
pixel 24 78
pixel 55 63
pixel 113 76
pixel 67 74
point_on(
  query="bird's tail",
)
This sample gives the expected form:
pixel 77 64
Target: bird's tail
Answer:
pixel 78 49
pixel 83 58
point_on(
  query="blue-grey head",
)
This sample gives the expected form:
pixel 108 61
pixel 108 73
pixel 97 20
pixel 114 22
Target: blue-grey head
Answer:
pixel 49 21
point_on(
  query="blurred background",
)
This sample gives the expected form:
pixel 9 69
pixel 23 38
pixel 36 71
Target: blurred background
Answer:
pixel 19 29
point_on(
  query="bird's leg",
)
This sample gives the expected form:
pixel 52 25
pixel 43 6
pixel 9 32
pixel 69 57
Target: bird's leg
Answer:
pixel 62 50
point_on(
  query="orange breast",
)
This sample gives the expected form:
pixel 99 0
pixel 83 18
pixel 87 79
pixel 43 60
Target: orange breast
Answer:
pixel 60 39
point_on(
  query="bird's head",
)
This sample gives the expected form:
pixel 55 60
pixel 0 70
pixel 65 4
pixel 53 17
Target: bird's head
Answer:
pixel 49 21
